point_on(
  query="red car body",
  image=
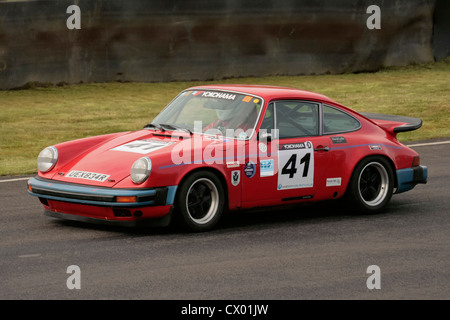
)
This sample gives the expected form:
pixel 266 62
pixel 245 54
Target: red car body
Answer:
pixel 90 180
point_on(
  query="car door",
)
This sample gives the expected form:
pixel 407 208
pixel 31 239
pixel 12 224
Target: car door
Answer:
pixel 295 162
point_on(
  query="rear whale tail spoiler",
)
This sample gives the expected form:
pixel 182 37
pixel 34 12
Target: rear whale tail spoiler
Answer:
pixel 394 124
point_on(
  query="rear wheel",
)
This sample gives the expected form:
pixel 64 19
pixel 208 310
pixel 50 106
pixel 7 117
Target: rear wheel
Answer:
pixel 200 201
pixel 371 185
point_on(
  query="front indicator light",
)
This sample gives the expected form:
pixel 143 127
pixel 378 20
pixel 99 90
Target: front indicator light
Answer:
pixel 126 199
pixel 140 170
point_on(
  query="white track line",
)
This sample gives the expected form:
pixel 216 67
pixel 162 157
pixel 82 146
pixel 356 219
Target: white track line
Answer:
pixel 32 255
pixel 427 144
pixel 408 145
pixel 15 179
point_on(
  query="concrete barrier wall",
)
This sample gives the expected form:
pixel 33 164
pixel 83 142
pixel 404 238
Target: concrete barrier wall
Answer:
pixel 165 40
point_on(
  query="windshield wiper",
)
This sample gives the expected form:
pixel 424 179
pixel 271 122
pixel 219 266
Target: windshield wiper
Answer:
pixel 174 127
pixel 155 126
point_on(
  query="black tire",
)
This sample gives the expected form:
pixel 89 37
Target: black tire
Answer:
pixel 371 186
pixel 200 201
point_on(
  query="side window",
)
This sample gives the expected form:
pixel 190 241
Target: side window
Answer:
pixel 297 119
pixel 335 121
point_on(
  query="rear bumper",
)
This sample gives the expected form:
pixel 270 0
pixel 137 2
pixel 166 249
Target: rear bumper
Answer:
pixel 103 205
pixel 408 178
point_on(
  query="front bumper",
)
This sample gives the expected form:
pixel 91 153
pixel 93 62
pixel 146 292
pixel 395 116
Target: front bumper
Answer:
pixel 100 205
pixel 408 178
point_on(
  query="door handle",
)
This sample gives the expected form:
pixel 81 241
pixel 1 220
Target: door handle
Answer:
pixel 322 148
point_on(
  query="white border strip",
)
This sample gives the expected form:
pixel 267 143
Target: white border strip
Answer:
pixel 427 144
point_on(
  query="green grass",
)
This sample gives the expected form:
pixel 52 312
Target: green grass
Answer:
pixel 32 119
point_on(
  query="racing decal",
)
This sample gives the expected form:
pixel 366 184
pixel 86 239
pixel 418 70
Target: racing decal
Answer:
pixel 296 165
pixel 262 147
pixel 219 95
pixel 337 140
pixel 250 169
pixel 235 177
pixel 333 182
pixel 143 146
pixel 232 164
pixel 242 136
pixel 87 175
pixel 267 168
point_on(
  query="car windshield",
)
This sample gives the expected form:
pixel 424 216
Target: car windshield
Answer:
pixel 230 114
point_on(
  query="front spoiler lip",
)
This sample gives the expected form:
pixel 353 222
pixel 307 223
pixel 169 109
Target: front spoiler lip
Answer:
pixel 149 222
pixel 99 196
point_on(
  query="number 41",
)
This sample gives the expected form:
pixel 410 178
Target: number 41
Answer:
pixel 290 166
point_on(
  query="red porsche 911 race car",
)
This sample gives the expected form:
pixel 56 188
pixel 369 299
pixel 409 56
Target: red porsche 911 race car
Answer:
pixel 220 148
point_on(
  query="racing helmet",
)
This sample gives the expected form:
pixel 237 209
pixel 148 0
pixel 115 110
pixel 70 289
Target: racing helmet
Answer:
pixel 225 114
pixel 225 110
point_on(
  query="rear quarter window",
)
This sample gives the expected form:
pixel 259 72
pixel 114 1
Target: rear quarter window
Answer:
pixel 335 121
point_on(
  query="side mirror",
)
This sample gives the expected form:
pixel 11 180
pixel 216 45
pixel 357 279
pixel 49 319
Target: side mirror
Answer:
pixel 264 135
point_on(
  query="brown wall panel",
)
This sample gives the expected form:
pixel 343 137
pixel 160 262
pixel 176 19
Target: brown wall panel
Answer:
pixel 149 40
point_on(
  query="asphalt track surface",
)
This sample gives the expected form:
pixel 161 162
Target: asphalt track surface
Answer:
pixel 310 252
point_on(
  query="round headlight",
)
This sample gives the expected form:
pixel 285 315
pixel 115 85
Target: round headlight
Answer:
pixel 47 159
pixel 140 170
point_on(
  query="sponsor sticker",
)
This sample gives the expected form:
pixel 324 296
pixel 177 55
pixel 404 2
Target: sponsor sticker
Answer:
pixel 232 164
pixel 267 168
pixel 219 95
pixel 333 182
pixel 291 146
pixel 242 136
pixel 235 177
pixel 337 140
pixel 87 175
pixel 262 147
pixel 250 169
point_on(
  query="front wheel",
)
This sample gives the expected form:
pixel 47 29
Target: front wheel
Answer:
pixel 371 185
pixel 200 201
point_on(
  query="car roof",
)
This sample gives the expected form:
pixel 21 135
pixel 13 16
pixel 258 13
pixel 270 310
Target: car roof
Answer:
pixel 268 92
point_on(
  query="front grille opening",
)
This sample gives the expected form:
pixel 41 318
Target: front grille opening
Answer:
pixel 121 212
pixel 74 195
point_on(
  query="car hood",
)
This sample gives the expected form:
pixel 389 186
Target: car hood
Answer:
pixel 110 162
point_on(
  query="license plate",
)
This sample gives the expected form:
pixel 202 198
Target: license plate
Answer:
pixel 87 175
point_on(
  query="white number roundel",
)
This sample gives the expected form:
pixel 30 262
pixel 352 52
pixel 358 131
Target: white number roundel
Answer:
pixel 295 166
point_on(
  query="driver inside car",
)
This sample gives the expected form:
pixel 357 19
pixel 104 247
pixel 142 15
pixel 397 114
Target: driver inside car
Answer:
pixel 236 115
